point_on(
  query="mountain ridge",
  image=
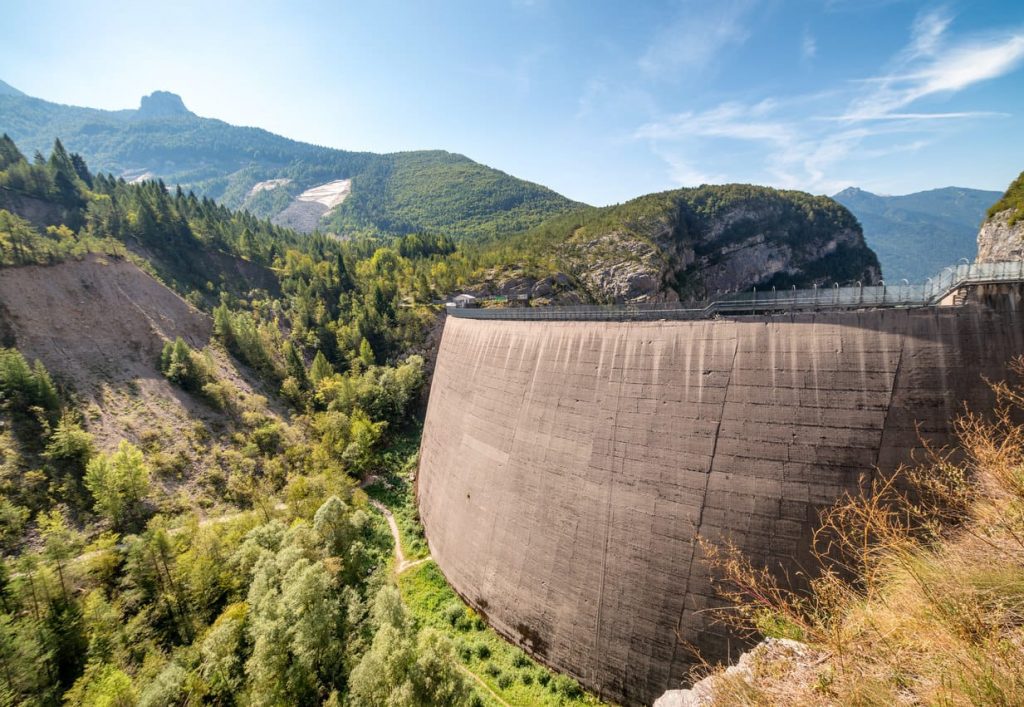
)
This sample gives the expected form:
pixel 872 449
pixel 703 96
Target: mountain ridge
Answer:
pixel 916 235
pixel 392 193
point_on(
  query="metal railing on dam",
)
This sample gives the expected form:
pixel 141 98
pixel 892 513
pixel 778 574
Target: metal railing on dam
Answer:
pixel 931 292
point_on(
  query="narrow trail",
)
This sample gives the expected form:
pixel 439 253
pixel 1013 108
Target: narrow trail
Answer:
pixel 483 684
pixel 401 564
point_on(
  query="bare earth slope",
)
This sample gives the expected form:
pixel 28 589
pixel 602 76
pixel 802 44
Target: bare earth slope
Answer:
pixel 99 325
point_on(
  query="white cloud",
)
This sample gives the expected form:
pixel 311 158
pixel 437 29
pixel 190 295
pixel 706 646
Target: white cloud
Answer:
pixel 797 147
pixel 931 65
pixel 696 36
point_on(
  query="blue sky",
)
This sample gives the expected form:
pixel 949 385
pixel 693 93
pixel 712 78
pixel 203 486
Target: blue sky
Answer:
pixel 602 101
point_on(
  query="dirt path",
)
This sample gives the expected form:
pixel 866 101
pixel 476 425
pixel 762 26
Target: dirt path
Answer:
pixel 401 564
pixel 483 684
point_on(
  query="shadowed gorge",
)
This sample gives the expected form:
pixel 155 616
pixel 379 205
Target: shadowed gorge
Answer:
pixel 567 468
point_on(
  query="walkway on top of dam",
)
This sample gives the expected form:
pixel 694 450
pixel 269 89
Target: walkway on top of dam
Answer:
pixel 935 291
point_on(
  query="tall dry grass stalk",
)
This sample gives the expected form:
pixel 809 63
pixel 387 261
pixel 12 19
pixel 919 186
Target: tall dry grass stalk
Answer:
pixel 918 593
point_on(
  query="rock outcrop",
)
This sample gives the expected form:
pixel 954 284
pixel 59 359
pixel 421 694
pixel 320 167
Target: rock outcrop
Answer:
pixel 162 104
pixel 697 243
pixel 1001 237
pixel 798 660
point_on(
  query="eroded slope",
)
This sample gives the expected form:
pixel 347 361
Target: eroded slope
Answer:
pixel 99 325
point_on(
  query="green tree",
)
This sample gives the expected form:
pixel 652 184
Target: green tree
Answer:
pixel 366 353
pixel 60 542
pixel 119 483
pixel 320 368
pixel 70 444
pixel 221 654
pixel 405 669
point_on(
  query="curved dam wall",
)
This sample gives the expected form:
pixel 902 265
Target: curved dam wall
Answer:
pixel 566 467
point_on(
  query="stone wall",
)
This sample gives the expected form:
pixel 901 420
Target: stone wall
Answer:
pixel 566 467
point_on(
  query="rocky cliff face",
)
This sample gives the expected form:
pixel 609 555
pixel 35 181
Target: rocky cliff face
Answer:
pixel 162 104
pixel 696 243
pixel 1001 239
pixel 1002 235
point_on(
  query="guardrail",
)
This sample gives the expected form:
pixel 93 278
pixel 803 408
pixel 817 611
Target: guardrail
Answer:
pixel 930 293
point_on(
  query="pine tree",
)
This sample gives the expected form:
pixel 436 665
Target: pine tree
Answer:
pixel 320 369
pixel 366 353
pixel 294 366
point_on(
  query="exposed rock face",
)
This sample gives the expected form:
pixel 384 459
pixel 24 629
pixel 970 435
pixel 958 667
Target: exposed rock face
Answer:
pixel 162 104
pixel 557 288
pixel 781 654
pixel 696 243
pixel 620 267
pixel 999 240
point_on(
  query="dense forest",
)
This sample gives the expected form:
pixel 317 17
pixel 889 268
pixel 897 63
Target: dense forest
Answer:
pixel 253 570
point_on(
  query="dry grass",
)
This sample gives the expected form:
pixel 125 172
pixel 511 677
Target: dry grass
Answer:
pixel 920 596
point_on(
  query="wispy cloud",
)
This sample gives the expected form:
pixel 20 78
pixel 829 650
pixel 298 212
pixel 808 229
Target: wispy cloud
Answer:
pixel 696 36
pixel 932 65
pixel 801 143
pixel 927 32
pixel 808 45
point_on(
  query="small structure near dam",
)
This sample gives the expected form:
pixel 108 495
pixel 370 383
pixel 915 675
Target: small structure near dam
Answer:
pixel 567 467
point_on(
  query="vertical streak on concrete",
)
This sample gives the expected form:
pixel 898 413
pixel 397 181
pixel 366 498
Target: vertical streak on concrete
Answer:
pixel 700 514
pixel 888 407
pixel 608 521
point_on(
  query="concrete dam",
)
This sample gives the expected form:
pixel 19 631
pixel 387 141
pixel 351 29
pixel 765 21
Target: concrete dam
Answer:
pixel 567 467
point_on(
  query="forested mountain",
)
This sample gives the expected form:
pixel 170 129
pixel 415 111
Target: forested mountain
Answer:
pixel 394 193
pixel 916 235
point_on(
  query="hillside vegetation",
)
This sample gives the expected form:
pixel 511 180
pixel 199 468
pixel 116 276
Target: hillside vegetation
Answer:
pixel 920 596
pixel 223 554
pixel 393 194
pixel 1012 200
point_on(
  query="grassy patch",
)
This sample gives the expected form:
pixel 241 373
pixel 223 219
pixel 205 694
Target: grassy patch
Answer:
pixel 504 668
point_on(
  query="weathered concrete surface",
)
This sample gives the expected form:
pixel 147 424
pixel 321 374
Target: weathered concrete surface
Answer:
pixel 567 467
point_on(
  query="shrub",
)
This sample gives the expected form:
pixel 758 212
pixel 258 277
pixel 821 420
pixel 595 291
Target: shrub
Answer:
pixel 918 594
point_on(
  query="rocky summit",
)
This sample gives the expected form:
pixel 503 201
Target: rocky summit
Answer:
pixel 162 104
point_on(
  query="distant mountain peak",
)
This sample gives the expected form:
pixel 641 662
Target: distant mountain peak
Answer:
pixel 162 104
pixel 7 89
pixel 851 192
